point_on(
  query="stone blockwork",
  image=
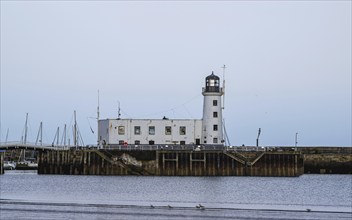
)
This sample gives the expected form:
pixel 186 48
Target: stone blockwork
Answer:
pixel 170 163
pixel 328 160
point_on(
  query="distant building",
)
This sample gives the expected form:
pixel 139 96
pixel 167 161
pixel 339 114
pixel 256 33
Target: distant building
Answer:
pixel 206 131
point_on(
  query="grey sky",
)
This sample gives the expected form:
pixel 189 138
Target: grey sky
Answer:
pixel 289 65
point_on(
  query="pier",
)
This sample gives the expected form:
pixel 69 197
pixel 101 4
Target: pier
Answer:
pixel 327 160
pixel 170 163
pixel 178 160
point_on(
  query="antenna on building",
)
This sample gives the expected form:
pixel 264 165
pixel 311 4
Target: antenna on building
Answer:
pixel 223 86
pixel 119 111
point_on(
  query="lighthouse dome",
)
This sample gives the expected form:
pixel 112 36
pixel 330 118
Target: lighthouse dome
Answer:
pixel 212 83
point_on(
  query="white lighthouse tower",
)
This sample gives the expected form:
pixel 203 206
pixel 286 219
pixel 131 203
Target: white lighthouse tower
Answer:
pixel 212 111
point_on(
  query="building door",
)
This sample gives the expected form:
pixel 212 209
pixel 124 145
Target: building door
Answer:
pixel 151 142
pixel 197 141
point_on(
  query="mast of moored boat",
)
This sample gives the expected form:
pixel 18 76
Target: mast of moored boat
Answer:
pixel 25 136
pixel 40 135
pixel 22 156
pixel 98 115
pixel 75 130
pixel 25 130
pixel 64 136
pixel 7 135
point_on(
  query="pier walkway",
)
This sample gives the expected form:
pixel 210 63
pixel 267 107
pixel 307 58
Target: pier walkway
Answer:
pixel 131 147
pixel 31 146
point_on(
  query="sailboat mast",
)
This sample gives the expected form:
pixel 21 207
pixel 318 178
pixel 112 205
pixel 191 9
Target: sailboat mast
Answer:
pixel 7 136
pixel 75 130
pixel 58 136
pixel 40 134
pixel 25 130
pixel 64 135
pixel 23 152
pixel 98 115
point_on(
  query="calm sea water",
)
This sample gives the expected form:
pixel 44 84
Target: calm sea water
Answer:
pixel 26 195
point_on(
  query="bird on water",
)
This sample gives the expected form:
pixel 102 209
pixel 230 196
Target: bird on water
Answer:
pixel 200 206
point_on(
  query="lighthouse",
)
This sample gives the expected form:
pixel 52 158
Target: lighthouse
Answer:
pixel 212 111
pixel 167 131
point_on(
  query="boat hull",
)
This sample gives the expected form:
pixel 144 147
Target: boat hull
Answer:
pixel 26 166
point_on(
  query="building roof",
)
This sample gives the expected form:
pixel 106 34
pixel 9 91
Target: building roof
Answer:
pixel 212 76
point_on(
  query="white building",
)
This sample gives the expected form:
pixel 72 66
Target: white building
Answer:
pixel 206 131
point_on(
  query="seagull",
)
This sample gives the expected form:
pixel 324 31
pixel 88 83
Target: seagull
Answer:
pixel 199 206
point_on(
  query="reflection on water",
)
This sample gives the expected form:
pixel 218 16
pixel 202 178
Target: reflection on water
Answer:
pixel 226 196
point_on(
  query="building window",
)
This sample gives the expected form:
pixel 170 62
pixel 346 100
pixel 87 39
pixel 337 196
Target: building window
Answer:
pixel 121 142
pixel 152 130
pixel 215 102
pixel 182 130
pixel 137 142
pixel 215 114
pixel 168 130
pixel 137 130
pixel 182 142
pixel 215 140
pixel 121 130
pixel 215 127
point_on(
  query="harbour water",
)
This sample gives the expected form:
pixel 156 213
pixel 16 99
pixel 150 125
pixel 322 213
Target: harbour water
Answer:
pixel 27 195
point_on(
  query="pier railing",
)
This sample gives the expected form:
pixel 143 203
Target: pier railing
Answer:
pixel 193 147
pixel 132 147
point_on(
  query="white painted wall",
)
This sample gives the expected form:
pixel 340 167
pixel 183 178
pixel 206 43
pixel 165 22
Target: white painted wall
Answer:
pixel 103 131
pixel 209 120
pixel 109 131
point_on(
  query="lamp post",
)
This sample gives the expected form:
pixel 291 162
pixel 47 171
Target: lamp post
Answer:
pixel 258 137
pixel 296 141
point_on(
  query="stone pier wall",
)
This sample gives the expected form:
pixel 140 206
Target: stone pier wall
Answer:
pixel 327 160
pixel 170 163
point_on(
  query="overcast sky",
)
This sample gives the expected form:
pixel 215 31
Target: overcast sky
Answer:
pixel 288 66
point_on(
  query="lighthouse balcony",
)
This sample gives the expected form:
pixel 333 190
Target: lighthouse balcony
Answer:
pixel 212 91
